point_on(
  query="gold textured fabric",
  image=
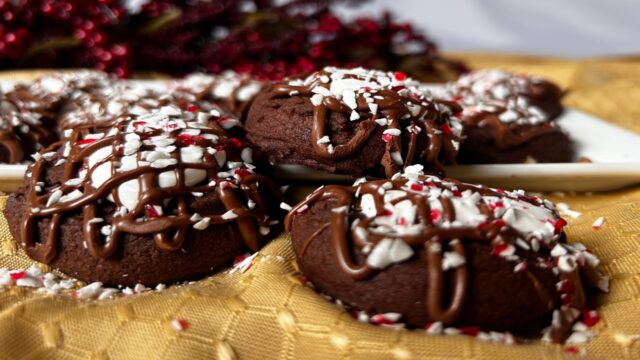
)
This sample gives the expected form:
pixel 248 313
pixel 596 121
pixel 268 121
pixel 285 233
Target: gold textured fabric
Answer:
pixel 266 312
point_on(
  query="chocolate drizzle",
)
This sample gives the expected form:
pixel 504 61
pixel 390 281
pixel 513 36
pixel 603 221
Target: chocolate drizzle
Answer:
pixel 146 165
pixel 389 220
pixel 517 108
pixel 375 98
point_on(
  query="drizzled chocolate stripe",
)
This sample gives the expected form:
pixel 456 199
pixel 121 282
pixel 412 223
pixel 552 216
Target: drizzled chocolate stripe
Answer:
pixel 440 229
pixel 395 103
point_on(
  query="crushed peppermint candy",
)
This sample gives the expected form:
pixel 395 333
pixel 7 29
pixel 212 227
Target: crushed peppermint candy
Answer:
pixel 597 225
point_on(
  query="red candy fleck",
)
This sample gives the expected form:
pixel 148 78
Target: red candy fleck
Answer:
pixel 590 317
pixel 402 221
pixel 495 205
pixel 239 259
pixel 499 223
pixel 192 108
pixel 499 249
pixel 242 173
pixel 457 193
pixel 559 224
pixel 180 324
pixel 400 76
pixel 85 142
pixel 151 211
pixel 571 349
pixel 416 187
pixel 236 142
pixel 380 319
pixel 435 215
pixel 387 137
pixel 386 213
pixel 470 330
pixel 17 275
pixel 446 130
pixel 190 139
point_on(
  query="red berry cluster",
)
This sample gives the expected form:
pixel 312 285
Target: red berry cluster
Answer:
pixel 176 37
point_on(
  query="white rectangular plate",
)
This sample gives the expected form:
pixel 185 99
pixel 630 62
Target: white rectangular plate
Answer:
pixel 614 152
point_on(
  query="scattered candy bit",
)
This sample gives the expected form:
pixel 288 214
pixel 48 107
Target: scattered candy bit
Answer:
pixel 179 324
pixel 597 225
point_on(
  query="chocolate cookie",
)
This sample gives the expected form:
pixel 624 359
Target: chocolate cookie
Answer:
pixel 353 122
pixel 508 118
pixel 28 112
pixel 233 92
pixel 160 197
pixel 437 250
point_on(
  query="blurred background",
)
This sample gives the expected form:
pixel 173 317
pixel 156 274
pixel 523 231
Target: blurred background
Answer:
pixel 567 28
pixel 271 39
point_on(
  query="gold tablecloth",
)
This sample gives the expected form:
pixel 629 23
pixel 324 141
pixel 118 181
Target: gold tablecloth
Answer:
pixel 266 313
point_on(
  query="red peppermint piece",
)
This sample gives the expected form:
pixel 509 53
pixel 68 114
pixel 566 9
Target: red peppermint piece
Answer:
pixel 416 187
pixel 435 215
pixel 380 319
pixel 17 275
pixel 242 173
pixel 499 223
pixel 470 330
pixel 386 212
pixel 400 76
pixel 559 224
pixel 590 317
pixel 138 124
pixel 495 205
pixel 179 324
pixel 84 142
pixel 239 259
pixel 151 211
pixel 457 193
pixel 402 221
pixel 189 139
pixel 499 249
pixel 386 137
pixel 192 108
pixel 446 130
pixel 571 349
pixel 236 142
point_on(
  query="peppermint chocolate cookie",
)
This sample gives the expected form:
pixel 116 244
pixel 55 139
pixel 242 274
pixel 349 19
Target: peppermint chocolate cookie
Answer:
pixel 442 251
pixel 233 92
pixel 354 122
pixel 509 118
pixel 28 112
pixel 154 198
